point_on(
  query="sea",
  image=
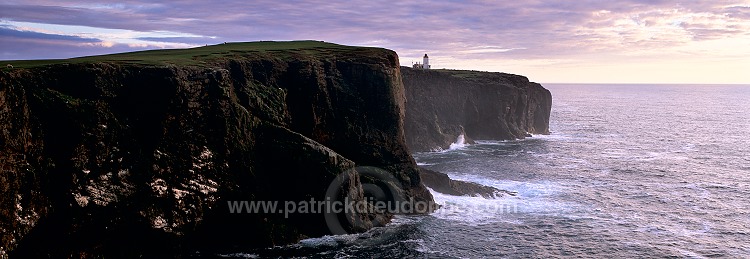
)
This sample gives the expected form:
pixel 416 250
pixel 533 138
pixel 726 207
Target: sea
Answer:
pixel 627 171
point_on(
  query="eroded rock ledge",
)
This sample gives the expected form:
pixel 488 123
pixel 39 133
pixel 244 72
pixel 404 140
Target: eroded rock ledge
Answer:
pixel 442 183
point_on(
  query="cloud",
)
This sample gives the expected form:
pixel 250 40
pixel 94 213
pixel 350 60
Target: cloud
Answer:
pixel 188 40
pixel 739 12
pixel 540 27
pixel 7 32
pixel 448 30
pixel 15 49
pixel 484 50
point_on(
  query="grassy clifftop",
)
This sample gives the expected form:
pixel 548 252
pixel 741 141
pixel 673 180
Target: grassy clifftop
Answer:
pixel 482 77
pixel 207 55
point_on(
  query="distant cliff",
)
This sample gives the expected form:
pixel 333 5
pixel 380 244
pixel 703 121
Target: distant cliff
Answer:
pixel 443 104
pixel 139 152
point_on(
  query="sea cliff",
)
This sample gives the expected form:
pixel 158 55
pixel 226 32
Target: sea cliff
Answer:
pixel 134 153
pixel 443 104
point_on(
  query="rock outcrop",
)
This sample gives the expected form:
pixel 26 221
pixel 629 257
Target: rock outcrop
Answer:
pixel 443 104
pixel 442 183
pixel 116 155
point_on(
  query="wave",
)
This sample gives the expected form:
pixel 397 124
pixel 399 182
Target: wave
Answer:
pixel 552 136
pixel 532 198
pixel 459 144
pixel 472 210
pixel 238 255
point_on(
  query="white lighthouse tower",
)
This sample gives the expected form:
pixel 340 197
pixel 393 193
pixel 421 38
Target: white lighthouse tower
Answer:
pixel 425 62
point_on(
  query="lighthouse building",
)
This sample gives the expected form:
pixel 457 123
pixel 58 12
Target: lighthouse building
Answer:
pixel 425 63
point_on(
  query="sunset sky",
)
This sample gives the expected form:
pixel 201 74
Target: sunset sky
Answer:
pixel 623 41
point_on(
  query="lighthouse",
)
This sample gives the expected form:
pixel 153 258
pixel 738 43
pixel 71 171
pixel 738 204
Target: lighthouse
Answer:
pixel 425 62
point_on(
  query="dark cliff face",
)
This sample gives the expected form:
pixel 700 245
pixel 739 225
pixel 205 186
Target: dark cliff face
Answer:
pixel 119 158
pixel 442 104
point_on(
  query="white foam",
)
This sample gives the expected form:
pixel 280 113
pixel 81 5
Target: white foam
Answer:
pixel 552 136
pixel 318 241
pixel 472 210
pixel 459 144
pixel 492 142
pixel 327 240
pixel 523 189
pixel 239 255
pixel 531 198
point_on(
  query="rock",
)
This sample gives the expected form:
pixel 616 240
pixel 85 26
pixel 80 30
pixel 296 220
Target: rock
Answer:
pixel 109 156
pixel 443 104
pixel 441 183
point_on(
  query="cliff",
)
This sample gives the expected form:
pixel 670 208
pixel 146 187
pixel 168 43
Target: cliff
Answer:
pixel 134 153
pixel 443 104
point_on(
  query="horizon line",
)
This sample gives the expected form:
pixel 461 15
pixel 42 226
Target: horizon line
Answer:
pixel 642 83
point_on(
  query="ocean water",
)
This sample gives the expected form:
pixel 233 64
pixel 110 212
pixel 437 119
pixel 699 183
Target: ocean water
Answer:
pixel 628 171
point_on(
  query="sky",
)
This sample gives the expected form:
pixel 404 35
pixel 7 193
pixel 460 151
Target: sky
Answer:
pixel 584 41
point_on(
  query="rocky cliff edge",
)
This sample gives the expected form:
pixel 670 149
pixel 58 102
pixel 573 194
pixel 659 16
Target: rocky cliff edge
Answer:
pixel 141 153
pixel 443 104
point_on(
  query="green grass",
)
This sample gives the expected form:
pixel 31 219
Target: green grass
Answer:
pixel 465 74
pixel 201 55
